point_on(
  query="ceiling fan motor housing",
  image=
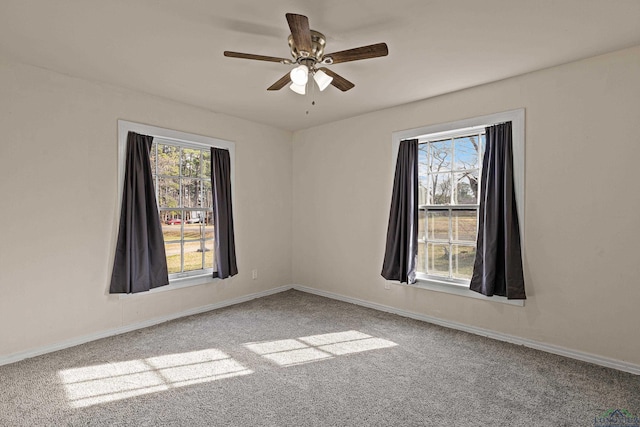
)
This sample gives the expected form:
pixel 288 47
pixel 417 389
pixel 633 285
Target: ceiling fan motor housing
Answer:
pixel 318 42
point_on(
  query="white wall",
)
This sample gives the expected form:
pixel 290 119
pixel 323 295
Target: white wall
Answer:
pixel 581 210
pixel 58 179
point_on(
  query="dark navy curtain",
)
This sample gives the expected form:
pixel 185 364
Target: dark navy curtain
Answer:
pixel 223 214
pixel 140 263
pixel 498 264
pixel 401 251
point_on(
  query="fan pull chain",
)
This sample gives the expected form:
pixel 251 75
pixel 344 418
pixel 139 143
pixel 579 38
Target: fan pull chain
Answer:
pixel 313 93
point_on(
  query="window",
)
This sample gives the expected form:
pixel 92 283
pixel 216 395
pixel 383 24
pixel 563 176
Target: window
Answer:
pixel 181 170
pixel 182 178
pixel 449 175
pixel 449 171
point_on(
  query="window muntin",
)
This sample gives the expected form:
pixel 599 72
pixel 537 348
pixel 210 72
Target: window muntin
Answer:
pixel 182 179
pixel 448 198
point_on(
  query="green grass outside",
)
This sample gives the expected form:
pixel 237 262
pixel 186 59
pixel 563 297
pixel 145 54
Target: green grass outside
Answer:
pixel 463 259
pixel 192 261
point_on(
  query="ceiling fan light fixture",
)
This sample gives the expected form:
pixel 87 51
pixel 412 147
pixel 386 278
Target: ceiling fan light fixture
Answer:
pixel 323 80
pixel 300 89
pixel 300 75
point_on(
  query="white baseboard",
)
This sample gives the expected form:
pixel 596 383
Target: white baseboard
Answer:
pixel 549 348
pixel 16 357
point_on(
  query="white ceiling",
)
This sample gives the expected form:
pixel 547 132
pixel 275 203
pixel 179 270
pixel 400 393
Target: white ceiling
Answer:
pixel 173 48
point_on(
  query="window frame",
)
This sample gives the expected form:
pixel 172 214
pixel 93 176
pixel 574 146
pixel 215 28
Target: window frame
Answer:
pixel 443 130
pixel 183 139
pixel 183 210
pixel 449 207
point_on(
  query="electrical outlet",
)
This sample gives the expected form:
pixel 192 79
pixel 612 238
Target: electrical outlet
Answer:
pixel 387 286
pixel 254 274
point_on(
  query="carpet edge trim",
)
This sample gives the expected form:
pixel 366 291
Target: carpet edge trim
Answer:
pixel 537 345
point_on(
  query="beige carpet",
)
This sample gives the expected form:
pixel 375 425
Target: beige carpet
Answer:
pixel 295 359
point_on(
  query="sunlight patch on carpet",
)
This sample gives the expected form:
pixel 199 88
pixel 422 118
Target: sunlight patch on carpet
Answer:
pixel 317 347
pixel 109 382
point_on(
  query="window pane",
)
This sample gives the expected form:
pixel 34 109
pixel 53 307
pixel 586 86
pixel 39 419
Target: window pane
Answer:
pixel 168 192
pixel 171 217
pixel 191 162
pixel 464 225
pixel 168 160
pixel 440 188
pixel 208 226
pixel 172 251
pixel 171 229
pixel 192 256
pixel 467 151
pixel 182 181
pixel 422 223
pixel 440 155
pixel 422 258
pixel 190 192
pixel 438 259
pixel 438 224
pixel 206 195
pixel 462 260
pixel 423 190
pixel 449 175
pixel 195 217
pixel 206 164
pixel 209 254
pixel 192 231
pixel 466 187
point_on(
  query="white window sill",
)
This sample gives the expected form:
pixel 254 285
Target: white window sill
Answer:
pixel 462 290
pixel 183 282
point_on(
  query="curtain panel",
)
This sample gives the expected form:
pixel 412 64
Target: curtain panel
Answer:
pixel 223 214
pixel 498 264
pixel 140 263
pixel 401 251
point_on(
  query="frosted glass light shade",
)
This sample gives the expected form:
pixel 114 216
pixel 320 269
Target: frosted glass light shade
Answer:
pixel 301 89
pixel 300 75
pixel 322 79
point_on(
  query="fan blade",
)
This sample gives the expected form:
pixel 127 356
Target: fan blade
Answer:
pixel 280 83
pixel 358 53
pixel 299 26
pixel 256 57
pixel 338 81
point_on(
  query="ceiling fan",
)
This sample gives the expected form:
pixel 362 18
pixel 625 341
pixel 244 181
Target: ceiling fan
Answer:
pixel 307 48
